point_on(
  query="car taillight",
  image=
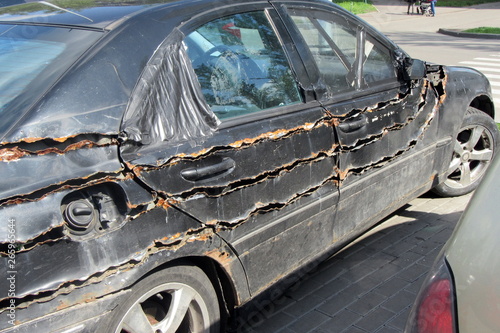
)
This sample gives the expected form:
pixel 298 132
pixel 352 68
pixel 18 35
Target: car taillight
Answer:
pixel 434 309
pixel 435 313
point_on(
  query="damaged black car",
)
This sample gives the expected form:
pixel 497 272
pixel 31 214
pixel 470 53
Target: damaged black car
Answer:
pixel 163 163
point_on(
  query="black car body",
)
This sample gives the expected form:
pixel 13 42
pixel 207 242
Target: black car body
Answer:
pixel 236 137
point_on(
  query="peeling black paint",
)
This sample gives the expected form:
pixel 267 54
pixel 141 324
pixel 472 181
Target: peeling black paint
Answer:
pixel 296 183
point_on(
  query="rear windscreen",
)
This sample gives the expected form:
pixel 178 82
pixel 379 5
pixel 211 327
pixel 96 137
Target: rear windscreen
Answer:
pixel 21 61
pixel 32 58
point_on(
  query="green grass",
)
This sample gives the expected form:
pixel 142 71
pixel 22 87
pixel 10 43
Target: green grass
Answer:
pixel 357 6
pixel 498 124
pixel 484 30
pixel 365 6
pixel 461 3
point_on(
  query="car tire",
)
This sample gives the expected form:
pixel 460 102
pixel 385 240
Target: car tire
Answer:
pixel 176 299
pixel 473 151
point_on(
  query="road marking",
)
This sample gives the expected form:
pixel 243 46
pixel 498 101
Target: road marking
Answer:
pixel 489 67
pixel 486 69
pixel 487 59
pixel 481 63
pixel 492 76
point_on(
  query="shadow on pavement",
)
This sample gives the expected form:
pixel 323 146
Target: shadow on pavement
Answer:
pixel 367 287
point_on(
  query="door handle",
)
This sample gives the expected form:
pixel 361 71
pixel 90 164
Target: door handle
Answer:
pixel 353 125
pixel 200 173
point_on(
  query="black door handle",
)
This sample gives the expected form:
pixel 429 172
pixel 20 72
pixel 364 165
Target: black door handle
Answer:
pixel 200 173
pixel 353 125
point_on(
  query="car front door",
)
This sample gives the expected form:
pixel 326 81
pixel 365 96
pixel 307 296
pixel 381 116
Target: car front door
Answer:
pixel 237 141
pixel 383 120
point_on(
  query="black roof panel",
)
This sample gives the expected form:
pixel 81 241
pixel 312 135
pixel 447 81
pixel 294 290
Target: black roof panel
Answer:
pixel 87 13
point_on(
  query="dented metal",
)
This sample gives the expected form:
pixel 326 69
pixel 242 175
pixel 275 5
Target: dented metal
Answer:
pixel 106 182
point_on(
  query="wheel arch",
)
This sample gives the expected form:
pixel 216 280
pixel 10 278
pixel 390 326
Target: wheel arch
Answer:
pixel 485 104
pixel 222 281
pixel 463 158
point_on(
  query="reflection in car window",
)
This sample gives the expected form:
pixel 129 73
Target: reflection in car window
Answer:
pixel 334 42
pixel 333 47
pixel 21 60
pixel 378 65
pixel 32 58
pixel 241 65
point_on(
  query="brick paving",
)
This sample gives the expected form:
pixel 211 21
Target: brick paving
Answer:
pixel 371 285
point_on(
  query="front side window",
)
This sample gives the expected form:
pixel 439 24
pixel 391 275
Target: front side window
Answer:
pixel 346 56
pixel 378 65
pixel 333 46
pixel 241 65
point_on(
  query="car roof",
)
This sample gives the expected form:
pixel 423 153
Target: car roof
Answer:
pixel 93 14
pixel 89 14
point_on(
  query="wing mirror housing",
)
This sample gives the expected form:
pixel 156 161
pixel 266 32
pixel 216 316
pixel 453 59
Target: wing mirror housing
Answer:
pixel 409 68
pixel 414 68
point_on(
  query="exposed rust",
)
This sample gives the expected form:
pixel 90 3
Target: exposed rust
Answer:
pixel 163 204
pixel 274 135
pixel 271 206
pixel 86 298
pixel 137 170
pixel 342 174
pixel 170 243
pixel 63 305
pixel 15 153
pixel 62 186
pixel 332 120
pixel 38 139
pixel 32 140
pixel 39 239
pixel 222 257
pixel 11 154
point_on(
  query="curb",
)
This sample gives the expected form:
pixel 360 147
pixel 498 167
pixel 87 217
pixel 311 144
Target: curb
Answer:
pixel 459 33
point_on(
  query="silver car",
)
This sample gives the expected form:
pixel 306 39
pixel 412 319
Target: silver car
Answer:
pixel 462 291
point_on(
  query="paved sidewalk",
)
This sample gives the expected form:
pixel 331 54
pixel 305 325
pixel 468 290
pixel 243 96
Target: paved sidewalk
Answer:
pixel 370 286
pixel 392 17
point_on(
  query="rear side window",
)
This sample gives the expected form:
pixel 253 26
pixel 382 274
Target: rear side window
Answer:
pixel 241 65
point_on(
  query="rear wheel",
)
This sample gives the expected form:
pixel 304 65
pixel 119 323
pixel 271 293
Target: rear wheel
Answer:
pixel 474 149
pixel 178 299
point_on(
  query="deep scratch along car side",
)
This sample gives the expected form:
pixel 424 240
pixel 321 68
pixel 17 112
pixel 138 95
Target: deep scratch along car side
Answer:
pixel 165 162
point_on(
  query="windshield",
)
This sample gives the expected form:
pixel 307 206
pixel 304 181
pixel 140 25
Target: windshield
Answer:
pixel 32 58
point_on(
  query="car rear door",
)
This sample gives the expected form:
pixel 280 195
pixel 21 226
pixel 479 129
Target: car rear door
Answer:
pixel 383 120
pixel 251 153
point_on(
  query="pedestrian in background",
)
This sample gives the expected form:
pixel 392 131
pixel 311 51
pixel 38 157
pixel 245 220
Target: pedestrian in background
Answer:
pixel 433 7
pixel 411 4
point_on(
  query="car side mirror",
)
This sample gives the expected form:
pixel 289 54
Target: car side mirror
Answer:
pixel 414 69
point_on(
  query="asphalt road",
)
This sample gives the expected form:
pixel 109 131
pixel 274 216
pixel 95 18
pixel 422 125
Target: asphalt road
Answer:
pixel 418 36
